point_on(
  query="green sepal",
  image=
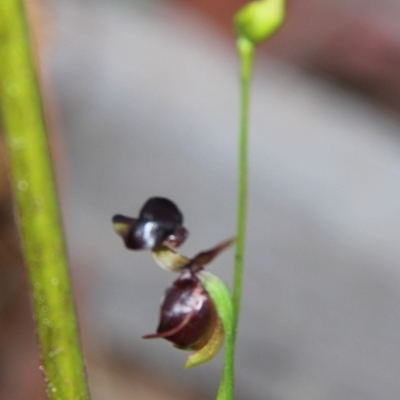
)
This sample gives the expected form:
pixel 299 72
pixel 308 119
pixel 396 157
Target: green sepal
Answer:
pixel 210 349
pixel 222 299
pixel 169 259
pixel 259 20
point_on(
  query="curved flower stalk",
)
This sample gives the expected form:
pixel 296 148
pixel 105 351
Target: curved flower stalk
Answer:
pixel 171 260
pixel 189 316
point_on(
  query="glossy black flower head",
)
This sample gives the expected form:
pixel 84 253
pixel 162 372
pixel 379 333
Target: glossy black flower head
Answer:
pixel 159 222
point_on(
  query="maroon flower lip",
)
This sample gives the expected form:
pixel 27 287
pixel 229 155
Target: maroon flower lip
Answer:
pixel 188 315
pixel 159 222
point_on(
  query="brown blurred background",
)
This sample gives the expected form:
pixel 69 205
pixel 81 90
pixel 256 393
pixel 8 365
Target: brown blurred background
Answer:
pixel 352 43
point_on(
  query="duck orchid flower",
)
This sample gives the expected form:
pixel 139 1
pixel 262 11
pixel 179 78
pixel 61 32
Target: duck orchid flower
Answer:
pixel 196 309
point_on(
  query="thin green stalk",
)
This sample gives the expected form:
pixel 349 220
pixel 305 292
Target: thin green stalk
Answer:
pixel 37 210
pixel 227 386
pixel 246 54
pixel 255 22
pixel 230 318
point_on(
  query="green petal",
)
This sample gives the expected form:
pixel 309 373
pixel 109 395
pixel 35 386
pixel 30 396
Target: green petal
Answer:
pixel 259 20
pixel 122 224
pixel 223 303
pixel 169 259
pixel 221 297
pixel 210 349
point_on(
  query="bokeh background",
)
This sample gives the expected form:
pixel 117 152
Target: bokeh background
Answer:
pixel 142 100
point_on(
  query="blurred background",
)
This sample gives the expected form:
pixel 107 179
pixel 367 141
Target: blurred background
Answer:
pixel 142 100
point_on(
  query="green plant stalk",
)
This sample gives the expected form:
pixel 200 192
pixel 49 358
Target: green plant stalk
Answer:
pixel 227 385
pixel 231 319
pixel 37 211
pixel 255 22
pixel 246 55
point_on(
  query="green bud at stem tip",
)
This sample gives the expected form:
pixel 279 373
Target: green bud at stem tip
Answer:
pixel 259 20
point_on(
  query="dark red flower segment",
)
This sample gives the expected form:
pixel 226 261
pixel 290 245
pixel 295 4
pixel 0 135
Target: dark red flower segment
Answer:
pixel 188 315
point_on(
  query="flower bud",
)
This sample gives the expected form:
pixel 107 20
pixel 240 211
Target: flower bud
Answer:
pixel 160 221
pixel 260 19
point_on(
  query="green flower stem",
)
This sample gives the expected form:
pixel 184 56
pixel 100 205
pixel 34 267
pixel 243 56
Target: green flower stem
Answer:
pixel 255 22
pixel 246 54
pixel 227 385
pixel 228 308
pixel 37 210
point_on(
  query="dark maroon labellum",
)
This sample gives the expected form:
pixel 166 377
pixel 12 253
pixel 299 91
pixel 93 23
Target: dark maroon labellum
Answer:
pixel 188 315
pixel 162 210
pixel 159 221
